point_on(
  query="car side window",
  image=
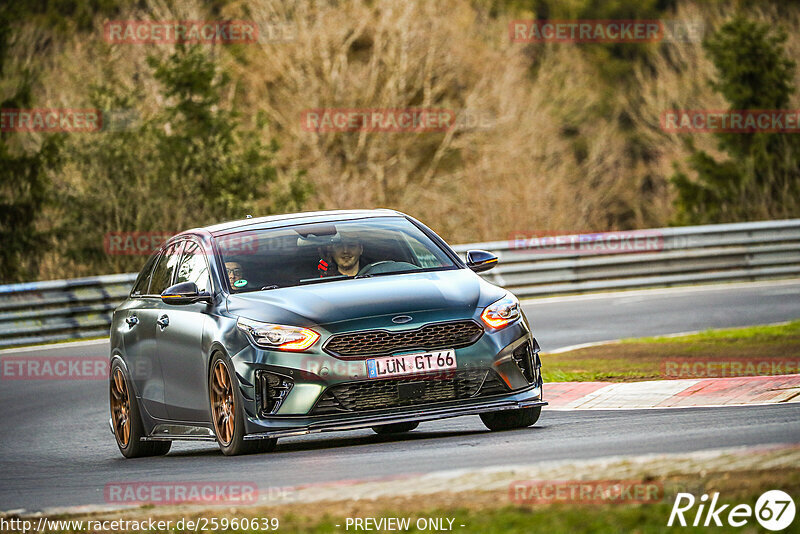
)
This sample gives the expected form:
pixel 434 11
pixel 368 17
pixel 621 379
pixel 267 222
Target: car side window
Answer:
pixel 167 264
pixel 143 281
pixel 194 267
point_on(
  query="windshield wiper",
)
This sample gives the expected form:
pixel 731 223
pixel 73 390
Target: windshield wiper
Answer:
pixel 326 279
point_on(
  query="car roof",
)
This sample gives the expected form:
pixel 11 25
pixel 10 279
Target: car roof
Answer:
pixel 273 221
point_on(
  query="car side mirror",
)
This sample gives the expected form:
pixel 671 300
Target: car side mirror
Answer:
pixel 480 260
pixel 184 293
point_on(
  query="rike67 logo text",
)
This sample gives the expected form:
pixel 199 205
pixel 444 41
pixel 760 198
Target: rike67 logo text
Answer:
pixel 774 510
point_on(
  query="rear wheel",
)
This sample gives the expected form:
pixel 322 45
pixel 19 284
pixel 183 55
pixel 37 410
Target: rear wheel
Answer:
pixel 395 428
pixel 228 414
pixel 510 419
pixel 126 420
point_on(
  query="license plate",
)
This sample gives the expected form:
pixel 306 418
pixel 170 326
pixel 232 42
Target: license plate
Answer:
pixel 411 364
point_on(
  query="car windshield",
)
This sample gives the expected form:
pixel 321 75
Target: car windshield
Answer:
pixel 323 252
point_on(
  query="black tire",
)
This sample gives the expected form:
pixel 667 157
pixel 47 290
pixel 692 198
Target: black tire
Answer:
pixel 511 419
pixel 125 413
pixel 232 443
pixel 395 428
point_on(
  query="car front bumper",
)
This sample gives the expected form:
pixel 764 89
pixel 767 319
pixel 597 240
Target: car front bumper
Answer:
pixel 530 398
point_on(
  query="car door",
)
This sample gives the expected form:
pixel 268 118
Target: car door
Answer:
pixel 180 342
pixel 140 334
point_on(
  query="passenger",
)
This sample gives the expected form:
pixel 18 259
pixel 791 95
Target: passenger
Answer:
pixel 234 271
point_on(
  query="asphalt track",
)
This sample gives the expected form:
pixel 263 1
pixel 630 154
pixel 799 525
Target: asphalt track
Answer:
pixel 56 449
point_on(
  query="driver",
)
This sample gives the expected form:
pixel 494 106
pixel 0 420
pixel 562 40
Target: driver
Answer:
pixel 345 251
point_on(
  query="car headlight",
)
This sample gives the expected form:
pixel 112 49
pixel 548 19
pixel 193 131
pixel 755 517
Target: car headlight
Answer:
pixel 277 336
pixel 501 312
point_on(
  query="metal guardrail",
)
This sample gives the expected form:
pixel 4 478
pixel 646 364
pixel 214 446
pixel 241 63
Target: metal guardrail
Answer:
pixel 676 256
pixel 41 312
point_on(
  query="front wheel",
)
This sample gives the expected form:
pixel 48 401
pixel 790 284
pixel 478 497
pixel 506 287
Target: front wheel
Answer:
pixel 228 414
pixel 510 419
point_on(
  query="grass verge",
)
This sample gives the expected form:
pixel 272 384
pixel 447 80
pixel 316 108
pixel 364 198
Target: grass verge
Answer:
pixel 494 512
pixel 646 358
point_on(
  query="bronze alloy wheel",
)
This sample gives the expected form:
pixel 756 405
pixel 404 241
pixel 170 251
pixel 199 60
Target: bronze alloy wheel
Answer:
pixel 222 402
pixel 120 408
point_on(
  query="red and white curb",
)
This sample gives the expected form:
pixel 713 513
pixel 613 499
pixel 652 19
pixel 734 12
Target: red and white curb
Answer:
pixel 672 393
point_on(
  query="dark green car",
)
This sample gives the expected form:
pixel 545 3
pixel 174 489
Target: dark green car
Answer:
pixel 252 330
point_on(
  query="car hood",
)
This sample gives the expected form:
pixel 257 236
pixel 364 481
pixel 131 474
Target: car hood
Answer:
pixel 446 294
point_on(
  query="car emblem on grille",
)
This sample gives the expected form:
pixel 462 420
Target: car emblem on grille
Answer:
pixel 401 319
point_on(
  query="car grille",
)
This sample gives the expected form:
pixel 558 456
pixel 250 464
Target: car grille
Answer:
pixel 431 336
pixel 377 394
pixel 271 391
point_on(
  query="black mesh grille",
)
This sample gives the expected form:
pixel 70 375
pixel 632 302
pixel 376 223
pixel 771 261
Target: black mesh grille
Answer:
pixel 431 336
pixel 523 357
pixel 527 359
pixel 272 391
pixel 377 394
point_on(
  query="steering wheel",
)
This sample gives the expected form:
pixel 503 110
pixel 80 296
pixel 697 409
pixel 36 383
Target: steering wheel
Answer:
pixel 370 266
